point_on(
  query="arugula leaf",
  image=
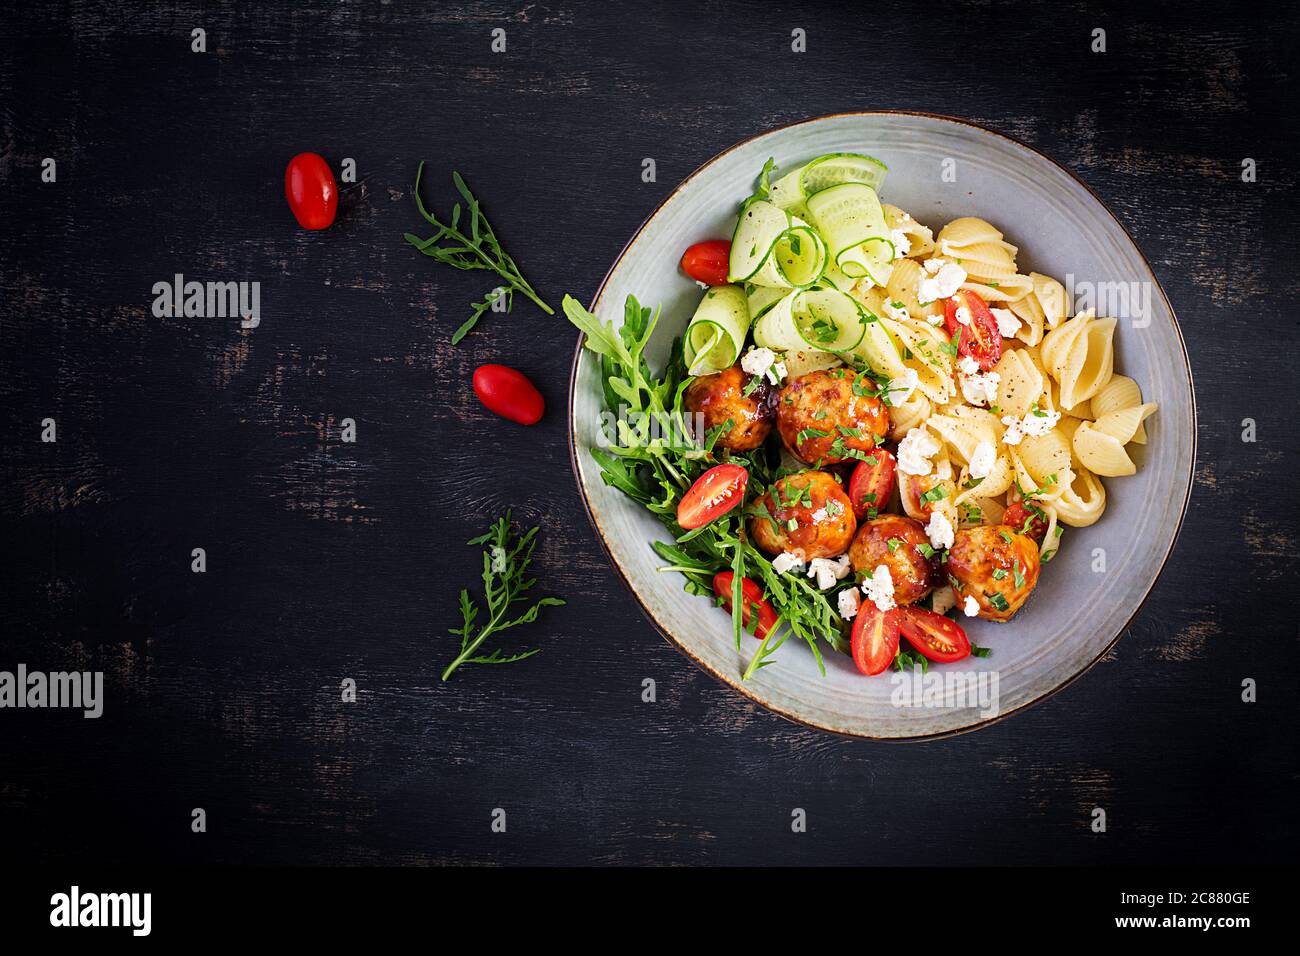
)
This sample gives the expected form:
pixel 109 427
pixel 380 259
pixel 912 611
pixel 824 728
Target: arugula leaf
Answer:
pixel 505 564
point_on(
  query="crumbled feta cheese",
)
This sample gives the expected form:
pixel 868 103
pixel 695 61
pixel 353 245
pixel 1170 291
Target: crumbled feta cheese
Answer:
pixel 980 389
pixel 942 284
pixel 932 265
pixel 879 588
pixel 915 450
pixel 940 531
pixel 786 561
pixel 982 460
pixel 962 315
pixel 1034 424
pixel 828 570
pixel 971 607
pixel 849 600
pixel 896 311
pixel 901 387
pixel 819 514
pixel 902 245
pixel 943 599
pixel 1008 322
pixel 968 366
pixel 759 361
pixel 936 320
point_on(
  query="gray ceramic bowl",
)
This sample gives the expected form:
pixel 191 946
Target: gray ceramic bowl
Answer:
pixel 1063 230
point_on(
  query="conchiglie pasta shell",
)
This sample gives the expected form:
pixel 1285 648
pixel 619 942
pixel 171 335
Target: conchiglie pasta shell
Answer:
pixel 1044 460
pixel 911 413
pixel 920 237
pixel 1119 393
pixel 1080 355
pixel 802 361
pixel 1101 453
pixel 933 366
pixel 1123 424
pixel 1020 382
pixel 902 286
pixel 1082 501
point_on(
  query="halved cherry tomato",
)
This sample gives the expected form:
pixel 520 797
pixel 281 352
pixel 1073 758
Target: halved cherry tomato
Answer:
pixel 875 638
pixel 872 482
pixel 1017 514
pixel 939 638
pixel 980 339
pixel 508 393
pixel 751 597
pixel 309 186
pixel 708 262
pixel 714 493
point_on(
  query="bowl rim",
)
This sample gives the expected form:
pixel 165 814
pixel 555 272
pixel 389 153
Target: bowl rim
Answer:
pixel 739 685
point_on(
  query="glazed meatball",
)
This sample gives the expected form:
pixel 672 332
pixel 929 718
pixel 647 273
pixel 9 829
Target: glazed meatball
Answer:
pixel 911 570
pixel 721 396
pixel 822 417
pixel 997 566
pixel 807 514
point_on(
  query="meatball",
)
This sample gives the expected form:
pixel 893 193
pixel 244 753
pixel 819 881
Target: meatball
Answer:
pixel 828 415
pixel 721 397
pixel 807 513
pixel 997 566
pixel 911 570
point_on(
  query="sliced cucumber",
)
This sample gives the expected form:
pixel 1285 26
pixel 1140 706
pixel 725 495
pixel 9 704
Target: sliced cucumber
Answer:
pixel 852 224
pixel 832 169
pixel 800 255
pixel 717 331
pixel 761 298
pixel 823 320
pixel 760 225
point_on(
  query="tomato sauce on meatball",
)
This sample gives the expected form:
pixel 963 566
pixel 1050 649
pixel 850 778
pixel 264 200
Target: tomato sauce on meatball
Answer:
pixel 997 566
pixel 808 514
pixel 823 419
pixel 895 542
pixel 720 397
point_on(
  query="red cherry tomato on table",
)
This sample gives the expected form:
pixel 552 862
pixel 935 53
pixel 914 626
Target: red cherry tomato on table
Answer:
pixel 714 493
pixel 751 596
pixel 1017 514
pixel 980 339
pixel 508 393
pixel 875 638
pixel 309 186
pixel 872 482
pixel 939 638
pixel 708 262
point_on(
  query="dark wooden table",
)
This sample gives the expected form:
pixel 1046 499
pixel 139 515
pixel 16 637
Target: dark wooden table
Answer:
pixel 328 561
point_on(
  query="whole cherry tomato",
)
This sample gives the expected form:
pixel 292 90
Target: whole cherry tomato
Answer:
pixel 309 186
pixel 751 596
pixel 708 262
pixel 1032 523
pixel 508 393
pixel 714 493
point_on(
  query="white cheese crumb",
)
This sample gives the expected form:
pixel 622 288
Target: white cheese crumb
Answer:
pixel 962 315
pixel 828 570
pixel 759 361
pixel 914 451
pixel 968 366
pixel 1008 322
pixel 971 607
pixel 942 284
pixel 940 531
pixel 849 600
pixel 786 561
pixel 879 588
pixel 820 515
pixel 902 245
pixel 982 460
pixel 1032 425
pixel 901 387
pixel 980 389
pixel 896 312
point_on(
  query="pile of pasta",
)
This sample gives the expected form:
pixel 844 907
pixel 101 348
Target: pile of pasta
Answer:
pixel 1056 368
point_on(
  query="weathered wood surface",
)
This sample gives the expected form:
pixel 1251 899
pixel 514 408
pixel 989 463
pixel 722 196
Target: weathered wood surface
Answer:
pixel 328 561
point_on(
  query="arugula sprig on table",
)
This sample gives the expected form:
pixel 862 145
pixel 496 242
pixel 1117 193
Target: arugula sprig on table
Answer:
pixel 480 249
pixel 505 585
pixel 655 467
